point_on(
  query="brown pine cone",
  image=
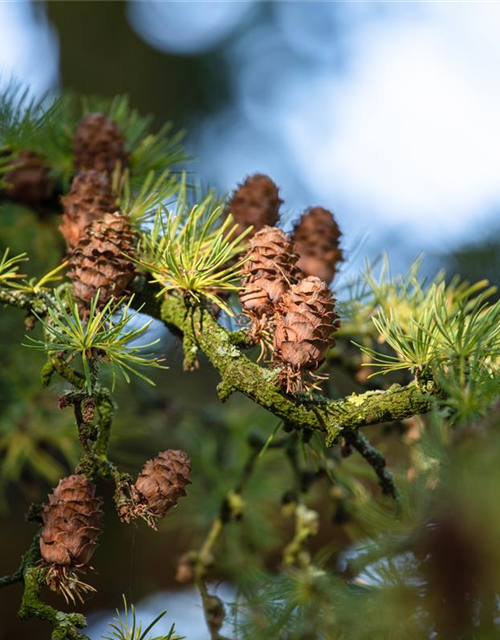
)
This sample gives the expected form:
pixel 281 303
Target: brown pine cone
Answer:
pixel 90 198
pixel 268 273
pixel 305 325
pixel 99 144
pixel 160 485
pixel 69 533
pixel 316 237
pixel 28 180
pixel 255 202
pixel 97 262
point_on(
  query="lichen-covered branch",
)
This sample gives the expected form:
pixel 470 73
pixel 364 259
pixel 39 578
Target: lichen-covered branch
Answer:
pixel 65 625
pixel 94 423
pixel 239 373
pixel 23 300
pixel 95 412
pixel 17 576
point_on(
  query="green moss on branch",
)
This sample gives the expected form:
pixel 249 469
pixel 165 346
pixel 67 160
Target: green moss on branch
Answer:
pixel 65 625
pixel 5 581
pixel 32 575
pixel 239 373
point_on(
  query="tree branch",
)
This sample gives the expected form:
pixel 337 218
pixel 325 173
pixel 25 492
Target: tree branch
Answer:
pixel 22 300
pixel 376 460
pixel 65 625
pixel 17 576
pixel 239 373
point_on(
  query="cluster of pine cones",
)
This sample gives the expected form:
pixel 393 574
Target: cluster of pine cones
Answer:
pixel 285 293
pixel 285 286
pixel 99 238
pixel 97 144
pixel 71 518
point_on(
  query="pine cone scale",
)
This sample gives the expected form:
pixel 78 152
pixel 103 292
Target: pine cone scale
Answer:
pixel 98 262
pixel 267 274
pixel 90 197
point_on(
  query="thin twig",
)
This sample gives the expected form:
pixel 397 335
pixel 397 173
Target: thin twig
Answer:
pixel 377 461
pixel 213 610
pixel 17 576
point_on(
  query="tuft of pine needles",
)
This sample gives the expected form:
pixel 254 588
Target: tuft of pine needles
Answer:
pixel 194 251
pixel 452 324
pixel 126 627
pixel 25 123
pixel 9 267
pixel 142 203
pixel 23 119
pixel 107 336
pixel 34 286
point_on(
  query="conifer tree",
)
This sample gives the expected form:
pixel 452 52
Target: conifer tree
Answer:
pixel 409 364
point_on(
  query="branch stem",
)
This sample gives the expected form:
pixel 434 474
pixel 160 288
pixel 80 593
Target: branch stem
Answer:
pixel 239 373
pixel 23 300
pixel 376 460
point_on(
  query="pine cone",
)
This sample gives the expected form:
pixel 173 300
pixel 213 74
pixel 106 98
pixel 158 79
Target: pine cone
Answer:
pixel 99 144
pixel 28 180
pixel 98 263
pixel 316 238
pixel 69 533
pixel 90 198
pixel 268 273
pixel 160 485
pixel 255 202
pixel 305 325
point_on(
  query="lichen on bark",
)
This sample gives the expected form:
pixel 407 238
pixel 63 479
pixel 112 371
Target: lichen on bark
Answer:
pixel 300 411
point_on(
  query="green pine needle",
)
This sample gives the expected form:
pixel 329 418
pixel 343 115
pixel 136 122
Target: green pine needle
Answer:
pixel 23 119
pixel 26 124
pixel 34 286
pixel 141 204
